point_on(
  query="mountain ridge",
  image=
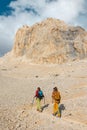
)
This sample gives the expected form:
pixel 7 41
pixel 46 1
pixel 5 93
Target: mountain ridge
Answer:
pixel 51 41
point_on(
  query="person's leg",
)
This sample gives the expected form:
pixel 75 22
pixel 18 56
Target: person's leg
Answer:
pixel 58 112
pixel 55 108
pixel 38 101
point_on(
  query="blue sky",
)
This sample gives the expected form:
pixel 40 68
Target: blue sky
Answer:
pixel 16 13
pixel 4 8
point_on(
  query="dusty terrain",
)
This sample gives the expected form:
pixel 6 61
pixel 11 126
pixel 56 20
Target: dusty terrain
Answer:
pixel 18 82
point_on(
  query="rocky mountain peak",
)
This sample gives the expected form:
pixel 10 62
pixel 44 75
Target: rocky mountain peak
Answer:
pixel 51 41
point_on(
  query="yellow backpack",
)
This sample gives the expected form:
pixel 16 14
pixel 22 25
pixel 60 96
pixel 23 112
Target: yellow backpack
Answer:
pixel 56 96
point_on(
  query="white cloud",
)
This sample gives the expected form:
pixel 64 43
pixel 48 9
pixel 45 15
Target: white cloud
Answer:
pixel 67 10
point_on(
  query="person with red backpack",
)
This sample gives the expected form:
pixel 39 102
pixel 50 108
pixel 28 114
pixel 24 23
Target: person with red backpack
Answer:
pixel 39 96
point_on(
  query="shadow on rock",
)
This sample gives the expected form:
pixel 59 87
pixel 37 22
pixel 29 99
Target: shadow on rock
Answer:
pixel 61 108
pixel 45 106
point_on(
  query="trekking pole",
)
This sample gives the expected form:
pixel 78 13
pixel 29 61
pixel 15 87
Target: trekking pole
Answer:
pixel 44 100
pixel 32 101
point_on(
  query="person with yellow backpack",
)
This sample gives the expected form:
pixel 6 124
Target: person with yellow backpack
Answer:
pixel 56 99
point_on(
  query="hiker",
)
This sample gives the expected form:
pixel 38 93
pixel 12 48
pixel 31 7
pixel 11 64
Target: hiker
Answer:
pixel 39 96
pixel 56 99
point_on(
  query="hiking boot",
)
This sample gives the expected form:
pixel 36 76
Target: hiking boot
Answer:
pixel 54 114
pixel 58 116
pixel 39 110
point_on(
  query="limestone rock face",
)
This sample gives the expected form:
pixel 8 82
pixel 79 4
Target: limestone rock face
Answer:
pixel 51 41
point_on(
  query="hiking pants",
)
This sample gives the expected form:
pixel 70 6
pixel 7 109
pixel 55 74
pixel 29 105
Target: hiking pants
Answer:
pixel 56 110
pixel 38 103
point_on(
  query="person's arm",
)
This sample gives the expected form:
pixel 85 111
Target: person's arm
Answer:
pixel 52 100
pixel 60 97
pixel 36 93
pixel 52 97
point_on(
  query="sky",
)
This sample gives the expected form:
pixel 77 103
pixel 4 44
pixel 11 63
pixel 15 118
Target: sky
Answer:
pixel 16 13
